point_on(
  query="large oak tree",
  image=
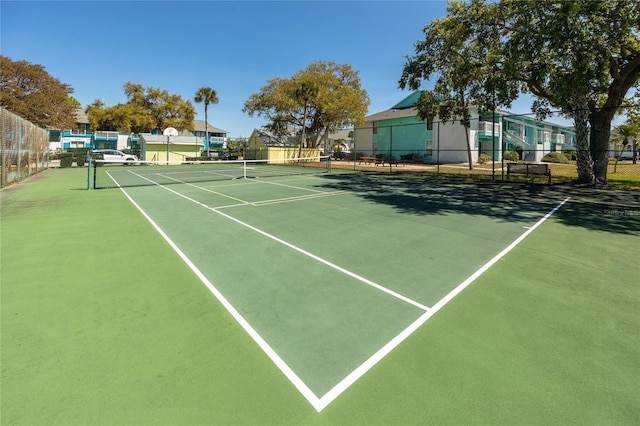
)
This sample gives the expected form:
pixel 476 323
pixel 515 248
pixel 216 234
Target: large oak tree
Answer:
pixel 29 91
pixel 167 110
pixel 146 109
pixel 580 57
pixel 121 117
pixel 320 99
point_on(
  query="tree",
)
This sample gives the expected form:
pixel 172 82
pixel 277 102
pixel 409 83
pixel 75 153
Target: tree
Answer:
pixel 120 117
pixel 465 67
pixel 578 57
pixel 208 96
pixel 319 99
pixel 29 91
pixel 166 110
pixel 237 144
pixel 305 92
pixel 625 134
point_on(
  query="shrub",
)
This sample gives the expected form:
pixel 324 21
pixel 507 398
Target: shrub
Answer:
pixel 511 156
pixel 80 159
pixel 571 154
pixel 66 159
pixel 555 157
pixel 483 158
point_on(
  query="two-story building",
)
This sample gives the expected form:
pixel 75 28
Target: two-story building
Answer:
pixel 399 131
pixel 213 138
pixel 83 137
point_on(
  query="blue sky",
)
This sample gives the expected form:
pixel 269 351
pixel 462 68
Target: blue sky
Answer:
pixel 234 47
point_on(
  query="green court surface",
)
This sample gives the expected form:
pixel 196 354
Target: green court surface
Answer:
pixel 336 298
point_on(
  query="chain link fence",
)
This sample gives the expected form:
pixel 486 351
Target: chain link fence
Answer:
pixel 490 149
pixel 24 148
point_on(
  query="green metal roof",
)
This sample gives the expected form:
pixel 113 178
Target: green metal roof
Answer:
pixel 409 101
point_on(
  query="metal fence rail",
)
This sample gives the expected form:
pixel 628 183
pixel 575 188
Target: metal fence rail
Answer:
pixel 621 172
pixel 24 148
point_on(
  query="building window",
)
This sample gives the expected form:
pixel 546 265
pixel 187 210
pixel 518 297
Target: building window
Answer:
pixel 429 124
pixel 375 127
pixel 428 148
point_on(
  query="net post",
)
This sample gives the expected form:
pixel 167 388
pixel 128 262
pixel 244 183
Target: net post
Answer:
pixel 88 170
pixel 244 169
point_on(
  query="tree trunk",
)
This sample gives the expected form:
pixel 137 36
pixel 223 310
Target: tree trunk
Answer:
pixel 304 126
pixel 206 128
pixel 601 133
pixel 584 162
pixel 469 157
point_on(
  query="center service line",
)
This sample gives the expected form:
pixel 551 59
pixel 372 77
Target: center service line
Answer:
pixel 300 250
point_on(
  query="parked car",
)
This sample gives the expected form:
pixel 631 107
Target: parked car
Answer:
pixel 339 155
pixel 626 155
pixel 115 156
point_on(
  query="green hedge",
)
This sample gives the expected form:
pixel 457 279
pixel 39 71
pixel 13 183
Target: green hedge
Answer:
pixel 511 156
pixel 555 157
pixel 483 158
pixel 66 159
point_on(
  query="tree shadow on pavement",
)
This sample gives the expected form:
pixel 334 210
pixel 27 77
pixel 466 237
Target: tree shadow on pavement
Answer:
pixel 599 209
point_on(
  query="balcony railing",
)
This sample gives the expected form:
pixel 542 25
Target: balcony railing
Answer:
pixel 557 138
pixel 105 135
pixel 75 132
pixel 486 127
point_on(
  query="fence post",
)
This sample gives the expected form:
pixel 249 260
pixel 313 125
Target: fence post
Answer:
pixel 502 148
pixel 390 148
pixel 354 150
pixel 438 153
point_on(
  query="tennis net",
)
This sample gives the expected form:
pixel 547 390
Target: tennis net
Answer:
pixel 110 174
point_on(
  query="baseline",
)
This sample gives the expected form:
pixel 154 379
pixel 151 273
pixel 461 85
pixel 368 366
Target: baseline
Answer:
pixel 327 398
pixel 320 403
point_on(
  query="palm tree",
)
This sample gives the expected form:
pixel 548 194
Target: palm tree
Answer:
pixel 625 134
pixel 208 96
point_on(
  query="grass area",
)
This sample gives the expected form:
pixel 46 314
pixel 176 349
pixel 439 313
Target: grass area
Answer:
pixel 623 175
pixel 102 323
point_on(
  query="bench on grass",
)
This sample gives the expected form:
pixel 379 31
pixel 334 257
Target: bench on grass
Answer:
pixel 379 159
pixel 367 160
pixel 528 170
pixel 382 159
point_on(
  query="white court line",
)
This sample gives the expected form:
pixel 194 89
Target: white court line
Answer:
pixel 199 187
pixel 327 398
pixel 306 392
pixel 316 193
pixel 301 250
pixel 271 353
pixel 298 198
pixel 266 182
pixel 320 403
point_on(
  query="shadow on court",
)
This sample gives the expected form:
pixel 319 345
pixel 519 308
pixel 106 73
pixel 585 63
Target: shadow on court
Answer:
pixel 598 209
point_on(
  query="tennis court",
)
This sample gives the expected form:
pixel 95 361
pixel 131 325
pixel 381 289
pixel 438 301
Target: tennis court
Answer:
pixel 330 273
